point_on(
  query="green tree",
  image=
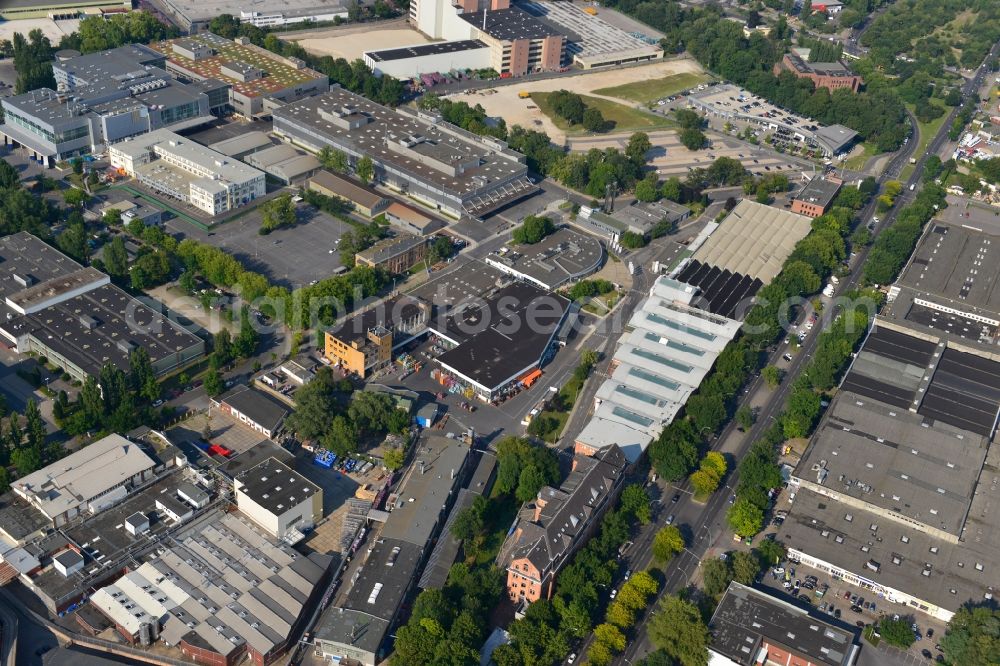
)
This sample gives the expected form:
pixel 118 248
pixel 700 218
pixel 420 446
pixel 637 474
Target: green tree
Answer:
pixel 745 518
pixel 116 258
pixel 471 520
pixel 771 552
pixel 703 483
pixel 393 459
pixel 26 459
pixel 772 375
pixel 620 615
pixel 746 567
pixel 744 418
pixel 593 120
pixel 973 636
pixel 4 480
pixel 365 169
pixel 333 159
pixel 635 501
pixel 679 630
pixel 638 146
pixel 34 425
pixel 671 189
pixel 533 229
pixel 898 633
pixel 214 384
pixel 75 198
pixel 278 212
pixel 648 189
pixel 693 139
pixel 316 404
pixel 611 636
pixel 245 344
pixel 9 178
pixel 668 542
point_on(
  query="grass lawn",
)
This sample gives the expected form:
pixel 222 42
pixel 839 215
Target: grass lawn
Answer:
pixel 502 510
pixel 620 118
pixel 645 92
pixel 857 163
pixel 925 132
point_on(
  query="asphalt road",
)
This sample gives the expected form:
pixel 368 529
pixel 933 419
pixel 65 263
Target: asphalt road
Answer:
pixel 704 524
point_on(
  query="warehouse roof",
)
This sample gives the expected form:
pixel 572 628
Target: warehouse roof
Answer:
pixel 347 189
pixel 510 24
pixel 925 471
pixel 73 481
pixel 387 248
pixel 276 486
pixel 420 50
pixel 836 137
pixel 819 191
pixel 256 406
pixel 241 144
pixel 420 146
pixel 110 64
pixel 438 461
pixel 754 240
pixel 503 336
pixel 746 618
pixel 561 256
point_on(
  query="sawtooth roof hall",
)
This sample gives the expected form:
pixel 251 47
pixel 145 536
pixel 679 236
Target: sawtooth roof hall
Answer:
pixel 668 348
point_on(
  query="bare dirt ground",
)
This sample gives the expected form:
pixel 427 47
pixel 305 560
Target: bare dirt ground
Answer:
pixel 350 44
pixel 504 102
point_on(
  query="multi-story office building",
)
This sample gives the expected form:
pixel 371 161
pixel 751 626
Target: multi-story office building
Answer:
pixel 90 116
pixel 832 75
pixel 188 171
pixel 415 153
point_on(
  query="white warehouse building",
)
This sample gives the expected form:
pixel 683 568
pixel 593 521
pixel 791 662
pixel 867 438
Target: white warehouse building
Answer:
pixel 279 499
pixel 187 171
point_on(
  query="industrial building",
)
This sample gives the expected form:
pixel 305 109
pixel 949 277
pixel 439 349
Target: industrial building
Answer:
pixel 365 200
pixel 561 257
pixel 364 342
pixel 259 80
pixel 816 197
pixel 14 10
pixel 279 500
pixel 831 75
pixel 87 480
pixel 397 254
pixel 357 629
pixel 502 339
pixel 519 43
pixel 895 493
pixel 187 171
pixel 590 40
pixel 732 260
pixel 669 347
pixel 193 16
pixel 253 408
pixel 552 527
pixel 752 627
pixel 415 153
pixel 284 162
pixel 409 62
pixel 75 318
pixel 219 593
pixel 103 98
pixel 947 290
pixel 638 217
pixel 411 220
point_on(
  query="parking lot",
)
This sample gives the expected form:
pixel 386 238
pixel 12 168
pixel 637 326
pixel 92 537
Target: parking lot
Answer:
pixel 289 256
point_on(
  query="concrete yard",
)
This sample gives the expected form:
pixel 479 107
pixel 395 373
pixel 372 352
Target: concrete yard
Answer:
pixel 503 101
pixel 54 30
pixel 350 44
pixel 289 257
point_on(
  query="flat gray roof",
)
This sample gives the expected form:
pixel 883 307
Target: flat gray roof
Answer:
pixel 276 486
pixel 559 257
pixel 425 489
pixel 747 618
pixel 388 248
pixel 482 161
pixel 819 191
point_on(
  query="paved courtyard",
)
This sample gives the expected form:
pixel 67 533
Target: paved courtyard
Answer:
pixel 290 256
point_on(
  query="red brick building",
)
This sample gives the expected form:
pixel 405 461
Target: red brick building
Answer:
pixel 831 75
pixel 816 197
pixel 558 522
